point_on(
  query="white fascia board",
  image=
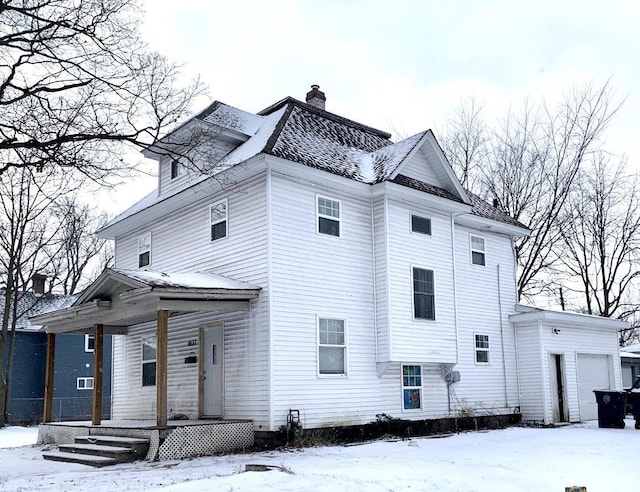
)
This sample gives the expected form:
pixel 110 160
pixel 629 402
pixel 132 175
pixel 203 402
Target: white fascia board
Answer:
pixel 568 319
pixel 71 313
pixel 229 178
pixel 313 176
pixel 488 225
pixel 147 294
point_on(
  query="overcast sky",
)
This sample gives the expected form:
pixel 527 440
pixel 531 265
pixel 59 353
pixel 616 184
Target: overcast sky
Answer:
pixel 403 66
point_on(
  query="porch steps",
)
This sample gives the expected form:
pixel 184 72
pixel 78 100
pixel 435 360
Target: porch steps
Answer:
pixel 100 450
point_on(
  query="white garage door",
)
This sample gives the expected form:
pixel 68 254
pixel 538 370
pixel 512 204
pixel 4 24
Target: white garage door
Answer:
pixel 593 373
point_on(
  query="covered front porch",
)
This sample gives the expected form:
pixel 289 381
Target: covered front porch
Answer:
pixel 119 299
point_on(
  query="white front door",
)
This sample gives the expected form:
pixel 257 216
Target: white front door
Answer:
pixel 211 364
pixel 594 373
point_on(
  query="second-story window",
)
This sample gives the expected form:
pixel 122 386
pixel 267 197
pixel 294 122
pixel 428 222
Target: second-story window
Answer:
pixel 477 250
pixel 328 216
pixel 420 224
pixel 144 250
pixel 424 304
pixel 218 216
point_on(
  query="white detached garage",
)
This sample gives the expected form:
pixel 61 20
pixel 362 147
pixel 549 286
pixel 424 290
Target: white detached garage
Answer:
pixel 562 357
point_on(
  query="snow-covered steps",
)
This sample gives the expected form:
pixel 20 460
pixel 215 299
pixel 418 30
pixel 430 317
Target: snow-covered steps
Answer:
pixel 100 450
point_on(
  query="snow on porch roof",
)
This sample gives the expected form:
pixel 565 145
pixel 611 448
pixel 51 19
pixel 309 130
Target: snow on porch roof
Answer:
pixel 189 280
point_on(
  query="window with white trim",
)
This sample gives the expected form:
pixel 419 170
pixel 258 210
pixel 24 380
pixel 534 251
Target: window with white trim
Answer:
pixel 84 383
pixel 328 212
pixel 411 387
pixel 89 342
pixel 175 168
pixel 218 220
pixel 424 304
pixel 144 250
pixel 149 360
pixel 477 251
pixel 421 225
pixel 332 346
pixel 482 349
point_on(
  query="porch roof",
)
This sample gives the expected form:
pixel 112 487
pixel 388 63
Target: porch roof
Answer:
pixel 121 298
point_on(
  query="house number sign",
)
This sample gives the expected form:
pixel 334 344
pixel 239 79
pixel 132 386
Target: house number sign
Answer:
pixel 192 343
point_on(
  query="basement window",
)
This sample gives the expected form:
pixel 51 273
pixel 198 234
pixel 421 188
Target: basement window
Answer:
pixel 149 360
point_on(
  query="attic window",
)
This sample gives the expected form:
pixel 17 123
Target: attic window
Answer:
pixel 421 225
pixel 218 217
pixel 328 216
pixel 175 168
pixel 144 250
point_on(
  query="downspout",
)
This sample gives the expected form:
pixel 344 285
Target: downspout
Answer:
pixel 269 306
pixel 375 283
pixel 504 362
pixel 455 303
pixel 545 398
pixel 515 336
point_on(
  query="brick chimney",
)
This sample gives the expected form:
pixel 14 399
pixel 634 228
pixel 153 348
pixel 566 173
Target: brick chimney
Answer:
pixel 37 283
pixel 315 97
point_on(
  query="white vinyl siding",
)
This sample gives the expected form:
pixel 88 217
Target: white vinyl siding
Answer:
pixel 418 168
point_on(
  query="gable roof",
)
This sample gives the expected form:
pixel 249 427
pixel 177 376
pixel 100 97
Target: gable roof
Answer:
pixel 293 130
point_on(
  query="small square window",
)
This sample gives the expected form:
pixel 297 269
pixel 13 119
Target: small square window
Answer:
pixel 84 383
pixel 218 219
pixel 149 360
pixel 421 225
pixel 89 342
pixel 411 387
pixel 144 250
pixel 332 347
pixel 477 250
pixel 328 212
pixel 423 294
pixel 482 349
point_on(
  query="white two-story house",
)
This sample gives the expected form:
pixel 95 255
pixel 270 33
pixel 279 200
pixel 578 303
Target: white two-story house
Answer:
pixel 316 269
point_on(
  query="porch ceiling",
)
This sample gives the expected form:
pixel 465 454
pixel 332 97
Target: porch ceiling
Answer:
pixel 120 298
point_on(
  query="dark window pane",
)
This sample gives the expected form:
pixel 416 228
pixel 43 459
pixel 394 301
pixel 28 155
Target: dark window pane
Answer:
pixel 411 399
pixel 477 258
pixel 328 226
pixel 174 169
pixel 149 374
pixel 423 294
pixel 482 356
pixel 219 230
pixel 420 224
pixel 143 259
pixel 91 342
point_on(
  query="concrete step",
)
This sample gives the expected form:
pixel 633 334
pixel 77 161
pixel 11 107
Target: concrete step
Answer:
pixel 83 459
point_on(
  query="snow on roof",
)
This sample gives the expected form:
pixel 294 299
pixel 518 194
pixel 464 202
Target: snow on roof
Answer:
pixel 189 280
pixel 32 304
pixel 233 118
pixel 629 355
pixel 632 348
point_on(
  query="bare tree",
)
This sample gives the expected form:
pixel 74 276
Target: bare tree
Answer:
pixel 77 82
pixel 531 165
pixel 601 239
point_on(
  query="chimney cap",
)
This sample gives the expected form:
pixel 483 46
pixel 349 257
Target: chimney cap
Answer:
pixel 315 97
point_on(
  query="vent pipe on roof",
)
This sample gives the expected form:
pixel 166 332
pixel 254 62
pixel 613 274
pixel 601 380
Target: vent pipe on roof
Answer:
pixel 315 97
pixel 37 283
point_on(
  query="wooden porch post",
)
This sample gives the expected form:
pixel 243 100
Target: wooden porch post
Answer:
pixel 48 378
pixel 96 410
pixel 161 368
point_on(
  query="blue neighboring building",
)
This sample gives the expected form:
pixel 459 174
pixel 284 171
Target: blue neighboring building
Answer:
pixel 73 378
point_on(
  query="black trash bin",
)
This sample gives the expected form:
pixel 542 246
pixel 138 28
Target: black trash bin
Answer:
pixel 611 408
pixel 634 399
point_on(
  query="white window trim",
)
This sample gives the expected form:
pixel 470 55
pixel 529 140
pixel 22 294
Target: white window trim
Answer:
pixel 144 361
pixel 422 234
pixel 476 350
pixel 403 387
pixel 226 219
pixel 329 217
pixel 476 250
pixel 413 302
pixel 345 346
pixel 88 336
pixel 88 383
pixel 147 236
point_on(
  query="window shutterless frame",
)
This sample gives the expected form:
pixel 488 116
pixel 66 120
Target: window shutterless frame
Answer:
pixel 423 292
pixel 144 250
pixel 332 346
pixel 328 216
pixel 218 219
pixel 148 360
pixel 420 225
pixel 482 347
pixel 84 383
pixel 411 382
pixel 89 342
pixel 478 250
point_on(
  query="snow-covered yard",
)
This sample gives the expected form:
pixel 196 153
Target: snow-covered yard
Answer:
pixel 515 459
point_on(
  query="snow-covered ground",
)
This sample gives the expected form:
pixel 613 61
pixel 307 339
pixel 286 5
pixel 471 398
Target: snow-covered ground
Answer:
pixel 515 459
